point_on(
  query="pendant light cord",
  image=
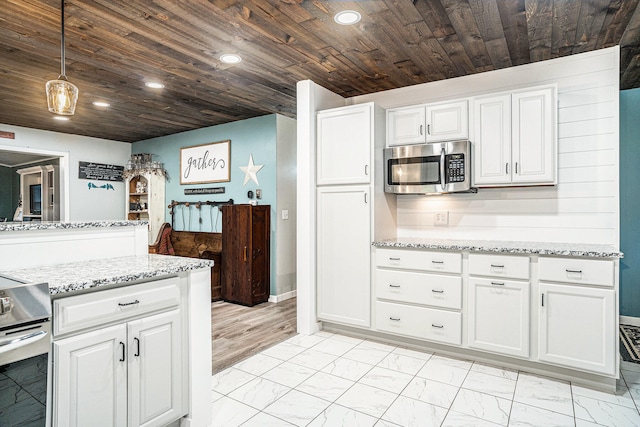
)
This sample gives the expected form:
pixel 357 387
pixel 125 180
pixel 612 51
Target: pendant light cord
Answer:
pixel 62 69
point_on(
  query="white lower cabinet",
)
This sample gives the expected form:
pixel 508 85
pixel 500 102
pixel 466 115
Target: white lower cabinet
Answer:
pixel 344 255
pixel 126 371
pixel 577 327
pixel 499 316
pixel 124 375
pixel 155 369
pixel 419 322
pixel 90 380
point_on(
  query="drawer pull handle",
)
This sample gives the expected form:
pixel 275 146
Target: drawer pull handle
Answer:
pixel 574 271
pixel 498 283
pixel 437 291
pixel 437 262
pixel 394 259
pixel 123 351
pixel 395 319
pixel 394 286
pixel 124 304
pixel 497 266
pixel 137 353
pixel 437 326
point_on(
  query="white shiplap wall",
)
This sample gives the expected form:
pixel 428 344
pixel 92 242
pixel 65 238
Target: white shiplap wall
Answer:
pixel 582 208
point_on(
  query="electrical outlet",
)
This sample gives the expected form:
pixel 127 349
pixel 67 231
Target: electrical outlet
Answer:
pixel 441 218
pixel 285 214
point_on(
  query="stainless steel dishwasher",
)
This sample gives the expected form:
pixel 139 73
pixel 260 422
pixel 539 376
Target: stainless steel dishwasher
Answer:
pixel 25 340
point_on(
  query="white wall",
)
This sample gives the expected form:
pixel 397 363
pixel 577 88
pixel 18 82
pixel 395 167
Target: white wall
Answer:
pixel 583 207
pixel 310 98
pixel 83 203
pixel 285 200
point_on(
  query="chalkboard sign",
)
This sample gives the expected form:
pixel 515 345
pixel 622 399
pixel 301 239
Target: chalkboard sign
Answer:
pixel 100 171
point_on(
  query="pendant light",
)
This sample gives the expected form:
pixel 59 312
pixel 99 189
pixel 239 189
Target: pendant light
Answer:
pixel 61 94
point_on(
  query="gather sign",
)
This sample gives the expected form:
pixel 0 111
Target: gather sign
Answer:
pixel 205 163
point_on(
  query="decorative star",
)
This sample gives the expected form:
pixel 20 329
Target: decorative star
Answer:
pixel 250 171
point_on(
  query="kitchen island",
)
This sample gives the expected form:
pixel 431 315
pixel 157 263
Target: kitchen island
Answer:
pixel 131 340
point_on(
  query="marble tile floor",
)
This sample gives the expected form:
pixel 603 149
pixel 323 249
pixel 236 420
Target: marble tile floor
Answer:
pixel 334 380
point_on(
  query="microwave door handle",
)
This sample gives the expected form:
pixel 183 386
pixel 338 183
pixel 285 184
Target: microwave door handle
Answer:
pixel 442 170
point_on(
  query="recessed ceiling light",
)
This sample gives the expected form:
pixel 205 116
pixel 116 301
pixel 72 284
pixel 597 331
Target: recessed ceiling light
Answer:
pixel 154 85
pixel 230 58
pixel 347 17
pixel 61 118
pixel 101 104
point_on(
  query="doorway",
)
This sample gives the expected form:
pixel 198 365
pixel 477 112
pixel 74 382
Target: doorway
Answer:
pixel 13 159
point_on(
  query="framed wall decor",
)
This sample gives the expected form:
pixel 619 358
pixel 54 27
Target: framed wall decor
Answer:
pixel 201 164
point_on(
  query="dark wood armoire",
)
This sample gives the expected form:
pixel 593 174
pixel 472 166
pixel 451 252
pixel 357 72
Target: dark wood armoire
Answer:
pixel 245 250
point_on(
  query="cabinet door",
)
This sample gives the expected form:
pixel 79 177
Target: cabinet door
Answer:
pixel 236 242
pixel 343 255
pixel 577 327
pixel 534 134
pixel 492 140
pixel 406 126
pixel 155 370
pixel 447 122
pixel 499 316
pixel 344 145
pixel 90 379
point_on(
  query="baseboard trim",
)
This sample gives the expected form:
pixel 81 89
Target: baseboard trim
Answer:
pixel 289 295
pixel 628 320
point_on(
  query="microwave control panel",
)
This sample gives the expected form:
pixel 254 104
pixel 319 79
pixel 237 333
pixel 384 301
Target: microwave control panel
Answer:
pixel 455 168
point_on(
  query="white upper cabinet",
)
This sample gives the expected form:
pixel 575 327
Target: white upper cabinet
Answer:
pixel 406 126
pixel 514 138
pixel 448 121
pixel 534 136
pixel 428 123
pixel 492 140
pixel 344 145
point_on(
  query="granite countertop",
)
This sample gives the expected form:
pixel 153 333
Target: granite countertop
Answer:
pixel 537 248
pixel 91 274
pixel 56 225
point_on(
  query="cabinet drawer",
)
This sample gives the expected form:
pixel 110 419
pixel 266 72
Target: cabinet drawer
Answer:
pixel 419 288
pixel 419 322
pixel 515 267
pixel 444 262
pixel 587 271
pixel 104 307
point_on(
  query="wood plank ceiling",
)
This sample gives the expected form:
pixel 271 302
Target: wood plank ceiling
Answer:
pixel 114 46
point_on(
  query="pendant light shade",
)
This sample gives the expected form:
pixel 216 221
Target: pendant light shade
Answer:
pixel 62 95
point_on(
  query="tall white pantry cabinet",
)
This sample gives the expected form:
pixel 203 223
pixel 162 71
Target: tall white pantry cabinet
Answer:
pixel 349 152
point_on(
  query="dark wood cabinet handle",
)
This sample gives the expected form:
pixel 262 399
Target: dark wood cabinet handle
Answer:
pixel 245 254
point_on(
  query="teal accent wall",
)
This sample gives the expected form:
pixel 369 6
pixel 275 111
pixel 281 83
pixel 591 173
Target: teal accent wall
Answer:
pixel 6 193
pixel 257 137
pixel 630 202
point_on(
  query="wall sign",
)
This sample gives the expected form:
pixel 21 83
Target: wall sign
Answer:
pixel 206 163
pixel 100 171
pixel 209 190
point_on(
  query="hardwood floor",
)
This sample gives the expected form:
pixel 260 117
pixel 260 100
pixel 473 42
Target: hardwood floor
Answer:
pixel 238 332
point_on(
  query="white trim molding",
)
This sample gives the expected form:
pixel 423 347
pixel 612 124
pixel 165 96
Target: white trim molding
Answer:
pixel 286 296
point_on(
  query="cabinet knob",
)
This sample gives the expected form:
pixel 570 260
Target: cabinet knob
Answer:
pixel 123 352
pixel 437 291
pixel 395 319
pixel 497 283
pixel 394 286
pixel 433 325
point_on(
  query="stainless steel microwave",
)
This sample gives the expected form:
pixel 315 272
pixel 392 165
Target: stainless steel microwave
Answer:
pixel 434 168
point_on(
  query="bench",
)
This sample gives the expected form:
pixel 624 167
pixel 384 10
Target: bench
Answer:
pixel 193 244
